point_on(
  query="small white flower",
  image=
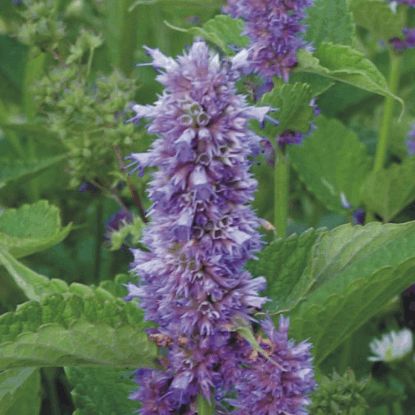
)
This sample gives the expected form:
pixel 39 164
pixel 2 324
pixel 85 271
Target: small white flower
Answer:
pixel 391 346
pixel 394 6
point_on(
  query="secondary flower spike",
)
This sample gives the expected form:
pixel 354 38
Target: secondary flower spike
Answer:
pixel 275 28
pixel 280 381
pixel 202 231
pixel 407 41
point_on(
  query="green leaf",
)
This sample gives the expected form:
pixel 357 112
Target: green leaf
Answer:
pixel 378 18
pixel 13 170
pixel 330 21
pixel 345 64
pixel 332 162
pixel 223 31
pixel 102 391
pixel 31 228
pixel 20 392
pixel 117 286
pixel 317 83
pixel 74 330
pixel 390 190
pixel 284 263
pixel 292 102
pixel 12 65
pixel 204 407
pixel 33 285
pixel 357 271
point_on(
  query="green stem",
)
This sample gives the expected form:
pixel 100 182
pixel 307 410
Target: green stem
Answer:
pixel 50 378
pixel 98 239
pixel 344 357
pixel 90 60
pixel 397 408
pixel 388 110
pixel 281 188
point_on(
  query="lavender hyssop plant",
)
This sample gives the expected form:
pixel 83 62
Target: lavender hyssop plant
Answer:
pixel 275 29
pixel 202 232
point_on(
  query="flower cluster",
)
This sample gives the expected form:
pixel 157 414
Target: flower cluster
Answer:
pixel 407 42
pixel 400 44
pixel 262 384
pixel 340 394
pixel 275 28
pixel 391 346
pixel 192 282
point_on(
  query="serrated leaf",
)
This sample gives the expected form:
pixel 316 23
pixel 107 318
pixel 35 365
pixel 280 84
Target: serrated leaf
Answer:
pixel 378 17
pixel 223 31
pixel 390 190
pixel 13 170
pixel 292 102
pixel 345 64
pixel 69 330
pixel 31 228
pixel 33 285
pixel 37 287
pixel 117 286
pixel 357 271
pixel 316 83
pixel 332 162
pixel 284 263
pixel 102 391
pixel 20 392
pixel 330 21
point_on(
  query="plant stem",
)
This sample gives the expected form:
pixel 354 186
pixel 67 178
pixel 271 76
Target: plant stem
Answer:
pixel 281 188
pixel 134 194
pixel 388 109
pixel 397 408
pixel 50 378
pixel 98 239
pixel 90 60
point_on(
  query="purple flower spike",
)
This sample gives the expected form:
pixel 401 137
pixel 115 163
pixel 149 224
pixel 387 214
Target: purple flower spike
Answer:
pixel 202 231
pixel 278 381
pixel 275 28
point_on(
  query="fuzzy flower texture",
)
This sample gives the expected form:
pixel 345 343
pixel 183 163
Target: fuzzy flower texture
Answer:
pixel 202 231
pixel 275 28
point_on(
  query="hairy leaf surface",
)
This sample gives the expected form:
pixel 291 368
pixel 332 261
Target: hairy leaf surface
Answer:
pixel 223 31
pixel 345 64
pixel 102 391
pixel 31 228
pixel 390 190
pixel 332 163
pixel 13 170
pixel 293 110
pixel 74 330
pixel 330 21
pixel 20 392
pixel 378 17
